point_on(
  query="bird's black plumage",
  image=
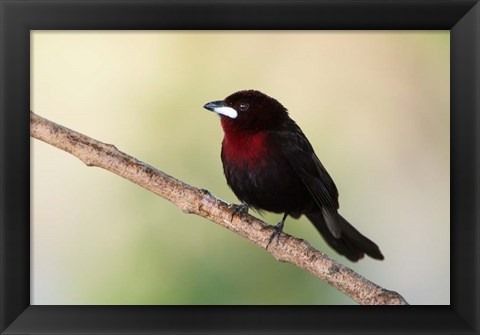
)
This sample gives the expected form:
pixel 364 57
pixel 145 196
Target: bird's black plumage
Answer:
pixel 270 165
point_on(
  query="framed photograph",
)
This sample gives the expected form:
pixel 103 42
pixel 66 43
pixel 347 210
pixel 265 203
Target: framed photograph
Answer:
pixel 386 92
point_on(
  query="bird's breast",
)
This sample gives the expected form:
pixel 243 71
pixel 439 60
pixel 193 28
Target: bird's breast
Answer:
pixel 259 175
pixel 249 150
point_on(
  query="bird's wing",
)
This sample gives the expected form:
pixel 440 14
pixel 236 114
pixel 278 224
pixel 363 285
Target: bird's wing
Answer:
pixel 299 153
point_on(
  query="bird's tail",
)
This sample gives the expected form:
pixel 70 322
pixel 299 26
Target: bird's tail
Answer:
pixel 351 243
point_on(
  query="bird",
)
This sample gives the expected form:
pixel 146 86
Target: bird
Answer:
pixel 270 165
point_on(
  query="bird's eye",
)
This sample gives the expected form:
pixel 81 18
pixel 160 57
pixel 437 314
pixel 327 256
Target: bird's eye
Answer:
pixel 243 107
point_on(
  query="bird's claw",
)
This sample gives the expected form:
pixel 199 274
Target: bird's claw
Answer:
pixel 276 232
pixel 238 210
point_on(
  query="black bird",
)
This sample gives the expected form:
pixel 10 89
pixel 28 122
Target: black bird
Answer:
pixel 270 165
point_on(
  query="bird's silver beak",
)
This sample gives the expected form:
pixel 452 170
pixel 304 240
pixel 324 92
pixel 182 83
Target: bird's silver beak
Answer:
pixel 220 107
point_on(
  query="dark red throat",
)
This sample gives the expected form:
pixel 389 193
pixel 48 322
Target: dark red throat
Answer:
pixel 245 148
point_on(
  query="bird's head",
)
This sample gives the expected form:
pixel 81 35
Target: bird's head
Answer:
pixel 248 110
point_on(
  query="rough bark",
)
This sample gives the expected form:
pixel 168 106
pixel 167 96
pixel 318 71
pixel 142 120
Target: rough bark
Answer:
pixel 192 200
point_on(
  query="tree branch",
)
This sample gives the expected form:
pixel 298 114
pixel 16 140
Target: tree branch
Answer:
pixel 192 200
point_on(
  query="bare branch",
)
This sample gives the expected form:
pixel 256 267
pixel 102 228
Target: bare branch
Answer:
pixel 200 202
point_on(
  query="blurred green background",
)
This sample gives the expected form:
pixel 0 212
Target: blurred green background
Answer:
pixel 375 106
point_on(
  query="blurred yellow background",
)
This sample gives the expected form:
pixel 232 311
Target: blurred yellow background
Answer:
pixel 374 104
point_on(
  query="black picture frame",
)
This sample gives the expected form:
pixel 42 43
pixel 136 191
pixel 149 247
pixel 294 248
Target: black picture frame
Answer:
pixel 18 17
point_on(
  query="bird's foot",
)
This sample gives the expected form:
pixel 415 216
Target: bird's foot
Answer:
pixel 276 232
pixel 238 209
